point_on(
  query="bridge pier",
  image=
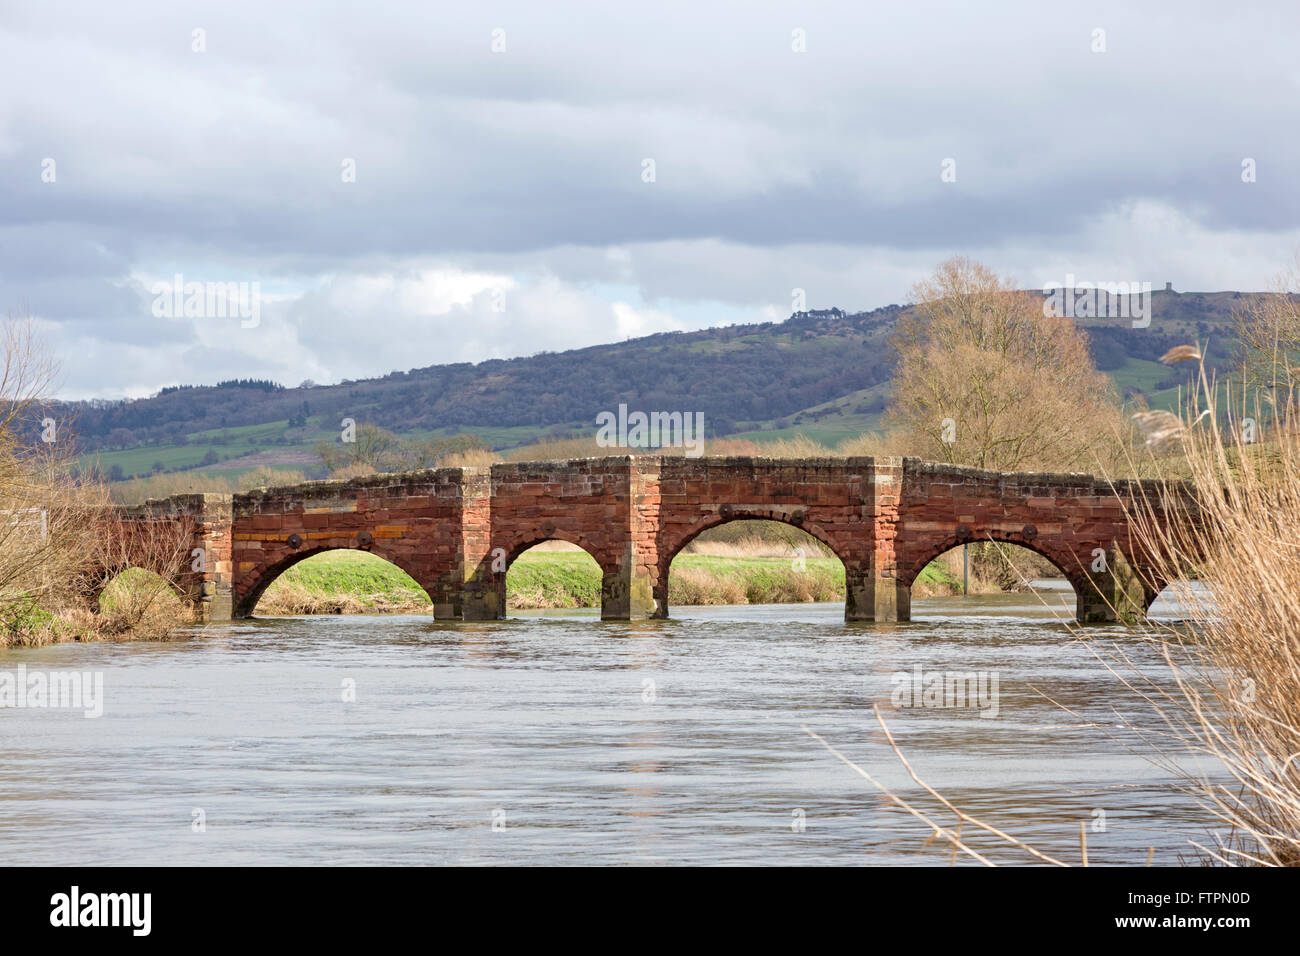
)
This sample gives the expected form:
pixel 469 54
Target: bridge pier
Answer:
pixel 475 604
pixel 208 604
pixel 626 595
pixel 211 590
pixel 1111 592
pixel 458 596
pixel 474 587
pixel 873 596
pixel 873 591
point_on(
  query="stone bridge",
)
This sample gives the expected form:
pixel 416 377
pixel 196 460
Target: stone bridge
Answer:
pixel 456 530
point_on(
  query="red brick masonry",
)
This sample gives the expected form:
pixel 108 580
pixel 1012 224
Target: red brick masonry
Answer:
pixel 456 530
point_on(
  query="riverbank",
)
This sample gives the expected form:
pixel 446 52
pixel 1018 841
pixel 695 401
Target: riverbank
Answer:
pixel 140 606
pixel 136 606
pixel 353 582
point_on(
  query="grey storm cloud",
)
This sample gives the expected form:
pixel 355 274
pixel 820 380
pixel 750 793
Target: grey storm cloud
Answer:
pixel 479 170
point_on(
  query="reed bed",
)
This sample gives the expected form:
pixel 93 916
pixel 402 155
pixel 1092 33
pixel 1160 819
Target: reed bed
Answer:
pixel 1236 660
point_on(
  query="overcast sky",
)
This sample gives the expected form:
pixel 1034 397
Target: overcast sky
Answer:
pixel 501 203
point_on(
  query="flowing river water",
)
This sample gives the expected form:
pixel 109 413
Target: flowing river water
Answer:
pixel 559 739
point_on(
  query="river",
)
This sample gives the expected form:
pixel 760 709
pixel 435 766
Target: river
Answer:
pixel 559 739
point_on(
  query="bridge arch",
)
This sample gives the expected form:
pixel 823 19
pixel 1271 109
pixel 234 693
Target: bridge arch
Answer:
pixel 1168 596
pixel 496 566
pixel 668 551
pixel 109 578
pixel 540 534
pixel 245 605
pixel 1063 559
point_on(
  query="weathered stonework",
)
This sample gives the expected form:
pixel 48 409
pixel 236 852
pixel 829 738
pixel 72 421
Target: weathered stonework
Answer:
pixel 1077 522
pixel 417 520
pixel 456 530
pixel 188 534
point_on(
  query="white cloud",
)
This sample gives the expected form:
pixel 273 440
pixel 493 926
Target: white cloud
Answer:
pixel 633 322
pixel 499 210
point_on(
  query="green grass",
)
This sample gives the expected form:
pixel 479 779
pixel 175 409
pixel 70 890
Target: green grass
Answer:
pixel 571 579
pixel 140 461
pixel 226 443
pixel 367 578
pixel 709 579
pixel 23 622
pixel 1140 374
pixel 553 579
pixel 549 578
pixel 502 437
pixel 134 585
pixel 828 423
pixel 262 433
pixel 939 578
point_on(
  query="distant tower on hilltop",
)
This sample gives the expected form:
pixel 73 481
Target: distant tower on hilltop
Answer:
pixel 1169 287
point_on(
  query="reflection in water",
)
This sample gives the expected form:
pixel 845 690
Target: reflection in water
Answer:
pixel 587 741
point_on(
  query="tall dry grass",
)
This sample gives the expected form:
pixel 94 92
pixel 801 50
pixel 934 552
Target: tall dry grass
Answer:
pixel 747 538
pixel 880 444
pixel 1236 572
pixel 475 458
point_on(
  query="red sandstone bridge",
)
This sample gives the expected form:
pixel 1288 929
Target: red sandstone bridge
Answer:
pixel 456 530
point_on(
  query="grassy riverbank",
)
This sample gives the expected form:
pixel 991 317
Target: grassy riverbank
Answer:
pixel 139 605
pixel 353 582
pixel 135 606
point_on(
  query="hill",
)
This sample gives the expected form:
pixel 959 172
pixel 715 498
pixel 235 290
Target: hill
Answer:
pixel 825 374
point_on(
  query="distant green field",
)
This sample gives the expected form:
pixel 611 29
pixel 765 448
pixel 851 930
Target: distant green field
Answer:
pixel 233 443
pixel 1146 375
pixel 265 433
pixel 828 423
pixel 140 461
pixel 225 443
pixel 829 431
pixel 1137 373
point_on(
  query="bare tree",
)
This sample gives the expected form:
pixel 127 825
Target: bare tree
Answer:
pixel 46 537
pixel 60 540
pixel 986 379
pixel 1268 335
